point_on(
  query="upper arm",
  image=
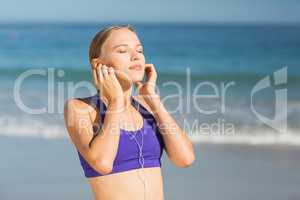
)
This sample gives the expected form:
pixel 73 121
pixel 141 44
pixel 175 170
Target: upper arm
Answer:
pixel 79 117
pixel 79 125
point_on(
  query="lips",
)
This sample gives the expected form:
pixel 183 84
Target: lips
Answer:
pixel 136 67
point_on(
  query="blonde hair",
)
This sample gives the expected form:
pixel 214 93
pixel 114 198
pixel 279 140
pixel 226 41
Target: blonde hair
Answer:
pixel 100 38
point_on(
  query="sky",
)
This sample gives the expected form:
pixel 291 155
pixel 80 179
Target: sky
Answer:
pixel 251 11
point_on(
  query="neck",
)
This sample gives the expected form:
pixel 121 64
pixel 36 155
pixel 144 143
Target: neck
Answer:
pixel 127 97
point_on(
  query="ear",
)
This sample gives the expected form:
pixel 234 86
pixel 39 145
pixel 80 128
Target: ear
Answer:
pixel 95 62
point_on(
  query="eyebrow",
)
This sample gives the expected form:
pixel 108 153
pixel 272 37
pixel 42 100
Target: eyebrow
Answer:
pixel 124 45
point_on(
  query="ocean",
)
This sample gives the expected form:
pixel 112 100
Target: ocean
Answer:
pixel 232 87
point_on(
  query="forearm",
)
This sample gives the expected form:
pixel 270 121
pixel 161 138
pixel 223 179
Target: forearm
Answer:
pixel 178 145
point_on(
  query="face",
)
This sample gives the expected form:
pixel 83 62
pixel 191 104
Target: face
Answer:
pixel 123 51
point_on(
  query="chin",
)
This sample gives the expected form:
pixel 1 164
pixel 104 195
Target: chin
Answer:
pixel 137 78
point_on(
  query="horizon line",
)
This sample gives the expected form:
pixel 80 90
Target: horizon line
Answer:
pixel 53 22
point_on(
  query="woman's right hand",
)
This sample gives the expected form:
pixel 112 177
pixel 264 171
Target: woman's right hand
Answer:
pixel 106 82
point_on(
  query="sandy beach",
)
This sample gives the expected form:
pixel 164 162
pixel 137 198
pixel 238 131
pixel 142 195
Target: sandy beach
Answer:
pixel 34 168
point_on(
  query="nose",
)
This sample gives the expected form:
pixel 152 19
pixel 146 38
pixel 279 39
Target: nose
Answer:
pixel 134 55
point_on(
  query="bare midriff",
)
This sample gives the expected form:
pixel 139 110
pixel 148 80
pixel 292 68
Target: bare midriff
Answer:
pixel 129 185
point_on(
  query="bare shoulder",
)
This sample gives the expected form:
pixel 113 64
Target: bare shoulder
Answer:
pixel 80 114
pixel 81 107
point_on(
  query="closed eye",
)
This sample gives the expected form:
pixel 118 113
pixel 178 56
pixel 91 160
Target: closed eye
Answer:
pixel 122 51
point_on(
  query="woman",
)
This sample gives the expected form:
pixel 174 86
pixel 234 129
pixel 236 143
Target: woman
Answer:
pixel 121 156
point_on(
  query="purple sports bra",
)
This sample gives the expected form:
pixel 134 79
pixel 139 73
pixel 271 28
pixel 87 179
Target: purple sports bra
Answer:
pixel 128 154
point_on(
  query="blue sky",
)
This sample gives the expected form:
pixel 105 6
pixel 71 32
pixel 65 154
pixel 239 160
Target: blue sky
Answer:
pixel 274 11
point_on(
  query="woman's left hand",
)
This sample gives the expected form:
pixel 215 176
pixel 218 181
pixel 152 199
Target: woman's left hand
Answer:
pixel 147 89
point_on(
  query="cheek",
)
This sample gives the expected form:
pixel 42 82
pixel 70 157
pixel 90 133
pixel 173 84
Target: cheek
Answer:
pixel 119 60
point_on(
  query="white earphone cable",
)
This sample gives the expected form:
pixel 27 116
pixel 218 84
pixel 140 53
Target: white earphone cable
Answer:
pixel 141 157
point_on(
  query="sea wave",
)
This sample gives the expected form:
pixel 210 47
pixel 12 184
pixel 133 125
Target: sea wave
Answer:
pixel 254 138
pixel 28 127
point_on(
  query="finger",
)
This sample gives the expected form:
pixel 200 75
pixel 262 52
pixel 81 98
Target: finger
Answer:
pixel 95 76
pixel 151 73
pixel 112 74
pixel 94 64
pixel 149 68
pixel 110 71
pixel 104 71
pixel 100 75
